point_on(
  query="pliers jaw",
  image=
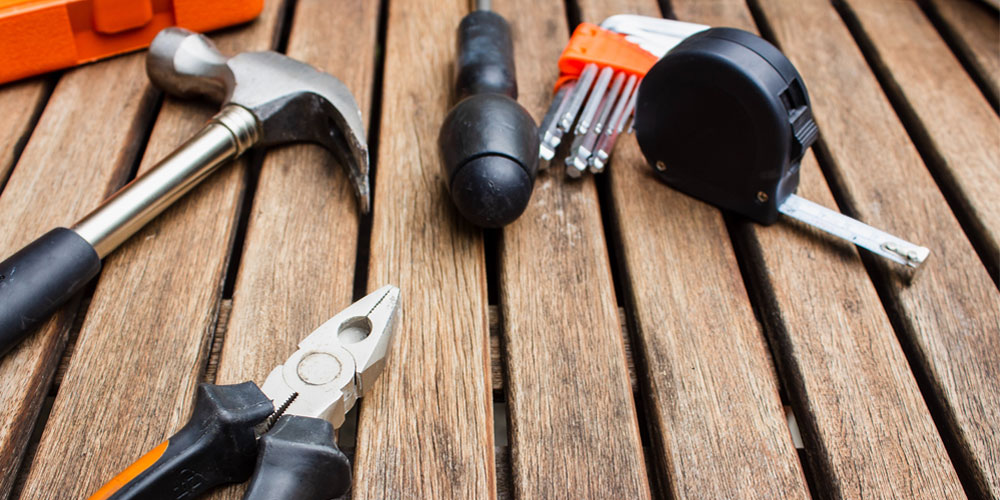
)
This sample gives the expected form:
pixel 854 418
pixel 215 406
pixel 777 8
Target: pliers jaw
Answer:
pixel 339 361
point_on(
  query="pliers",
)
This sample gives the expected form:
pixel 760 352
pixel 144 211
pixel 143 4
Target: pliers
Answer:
pixel 233 427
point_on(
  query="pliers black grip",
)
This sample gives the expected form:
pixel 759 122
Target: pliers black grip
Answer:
pixel 297 458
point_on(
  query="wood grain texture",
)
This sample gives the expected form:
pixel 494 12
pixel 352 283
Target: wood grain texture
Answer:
pixel 81 149
pixel 712 391
pixel 975 30
pixel 573 426
pixel 496 352
pixel 297 269
pixel 143 344
pixel 426 429
pixel 943 108
pixel 19 103
pixel 949 317
pixel 867 428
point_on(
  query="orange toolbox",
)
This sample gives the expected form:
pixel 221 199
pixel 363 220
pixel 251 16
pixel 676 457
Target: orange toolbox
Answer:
pixel 44 35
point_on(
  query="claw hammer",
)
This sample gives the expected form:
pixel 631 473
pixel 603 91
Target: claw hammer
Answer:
pixel 267 99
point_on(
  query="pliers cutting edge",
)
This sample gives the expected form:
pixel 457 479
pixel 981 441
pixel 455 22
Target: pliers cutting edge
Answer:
pixel 233 427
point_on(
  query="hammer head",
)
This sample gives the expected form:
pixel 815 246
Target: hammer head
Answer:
pixel 293 101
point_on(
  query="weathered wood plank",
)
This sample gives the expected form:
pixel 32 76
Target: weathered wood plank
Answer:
pixel 573 425
pixel 976 32
pixel 19 102
pixel 426 429
pixel 712 391
pixel 82 148
pixel 948 318
pixel 297 269
pixel 496 353
pixel 842 365
pixel 143 344
pixel 944 109
pixel 867 429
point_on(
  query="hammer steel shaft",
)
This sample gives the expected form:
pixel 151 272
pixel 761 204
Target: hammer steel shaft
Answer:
pixel 42 276
pixel 230 132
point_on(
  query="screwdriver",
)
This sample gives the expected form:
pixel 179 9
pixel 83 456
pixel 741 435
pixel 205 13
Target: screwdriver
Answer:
pixel 488 142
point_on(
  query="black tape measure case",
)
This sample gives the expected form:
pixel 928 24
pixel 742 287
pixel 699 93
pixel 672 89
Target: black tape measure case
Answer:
pixel 725 117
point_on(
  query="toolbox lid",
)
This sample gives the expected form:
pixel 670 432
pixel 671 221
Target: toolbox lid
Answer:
pixel 37 36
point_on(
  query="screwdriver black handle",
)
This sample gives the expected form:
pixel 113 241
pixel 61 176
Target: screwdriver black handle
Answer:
pixel 217 446
pixel 485 56
pixel 299 459
pixel 488 142
pixel 39 278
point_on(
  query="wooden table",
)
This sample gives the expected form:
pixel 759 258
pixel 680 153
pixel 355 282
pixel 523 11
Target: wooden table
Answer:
pixel 620 340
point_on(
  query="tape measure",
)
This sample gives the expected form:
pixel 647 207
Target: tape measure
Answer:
pixel 725 117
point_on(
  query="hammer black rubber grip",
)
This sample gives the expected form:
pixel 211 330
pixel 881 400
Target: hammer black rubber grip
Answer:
pixel 39 278
pixel 298 459
pixel 485 56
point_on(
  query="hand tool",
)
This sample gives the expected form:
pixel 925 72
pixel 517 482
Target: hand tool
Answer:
pixel 725 117
pixel 600 68
pixel 44 35
pixel 267 99
pixel 488 142
pixel 233 427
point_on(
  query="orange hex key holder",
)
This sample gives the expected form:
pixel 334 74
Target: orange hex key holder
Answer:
pixel 591 44
pixel 599 70
pixel 37 36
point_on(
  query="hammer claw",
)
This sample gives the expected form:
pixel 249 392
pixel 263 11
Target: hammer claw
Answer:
pixel 291 100
pixel 356 164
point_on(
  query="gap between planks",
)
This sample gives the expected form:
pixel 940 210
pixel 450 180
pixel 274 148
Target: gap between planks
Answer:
pixel 973 33
pixel 21 105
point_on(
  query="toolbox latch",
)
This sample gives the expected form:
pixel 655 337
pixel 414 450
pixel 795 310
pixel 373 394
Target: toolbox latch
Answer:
pixel 114 16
